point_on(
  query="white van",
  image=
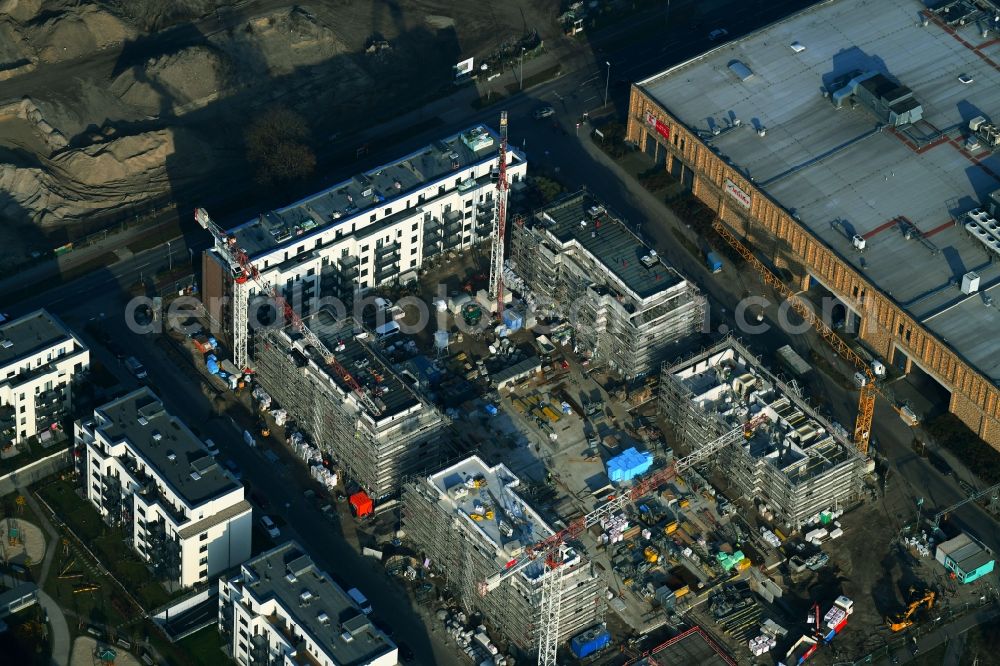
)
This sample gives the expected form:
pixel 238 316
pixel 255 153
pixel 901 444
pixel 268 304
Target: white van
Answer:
pixel 386 330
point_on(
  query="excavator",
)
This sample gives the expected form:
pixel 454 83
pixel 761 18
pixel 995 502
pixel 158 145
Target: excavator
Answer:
pixel 905 619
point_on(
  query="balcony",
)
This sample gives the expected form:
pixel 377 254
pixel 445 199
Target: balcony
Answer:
pixel 386 248
pixel 386 259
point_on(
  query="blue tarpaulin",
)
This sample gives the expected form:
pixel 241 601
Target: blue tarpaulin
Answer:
pixel 212 364
pixel 629 464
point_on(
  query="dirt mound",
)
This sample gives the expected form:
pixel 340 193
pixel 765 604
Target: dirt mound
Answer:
pixel 39 128
pixel 285 39
pixel 179 82
pixel 20 10
pixel 153 15
pixel 97 178
pixel 64 35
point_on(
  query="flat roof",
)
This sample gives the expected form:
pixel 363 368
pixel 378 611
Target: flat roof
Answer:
pixel 583 220
pixel 322 608
pixel 839 174
pixel 339 204
pixel 30 334
pixel 796 441
pixel 167 445
pixel 470 487
pixel 354 349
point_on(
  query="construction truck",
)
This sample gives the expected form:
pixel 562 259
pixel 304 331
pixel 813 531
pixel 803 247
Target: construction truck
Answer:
pixel 905 620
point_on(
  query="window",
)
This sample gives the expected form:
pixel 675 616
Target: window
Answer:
pixel 416 225
pixel 413 239
pixel 364 273
pixel 203 536
pixel 22 409
pixel 310 272
pixel 364 248
pixel 399 233
pixel 302 248
pixel 468 203
pixel 413 263
pixel 372 218
pixel 203 561
pixel 203 549
pixel 457 181
pixel 388 211
pixel 440 189
pixel 319 241
pixel 24 421
pixel 468 214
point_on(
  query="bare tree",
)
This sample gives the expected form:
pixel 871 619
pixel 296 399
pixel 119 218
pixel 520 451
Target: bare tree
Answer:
pixel 278 145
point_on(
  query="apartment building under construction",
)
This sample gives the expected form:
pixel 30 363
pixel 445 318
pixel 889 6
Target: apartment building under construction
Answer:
pixel 628 308
pixel 798 466
pixel 470 523
pixel 377 436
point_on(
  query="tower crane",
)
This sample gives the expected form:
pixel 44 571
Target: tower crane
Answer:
pixel 245 272
pixel 994 489
pixel 499 219
pixel 870 390
pixel 552 550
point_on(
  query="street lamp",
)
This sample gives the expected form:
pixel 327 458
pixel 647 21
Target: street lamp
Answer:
pixel 521 86
pixel 607 82
pixel 170 256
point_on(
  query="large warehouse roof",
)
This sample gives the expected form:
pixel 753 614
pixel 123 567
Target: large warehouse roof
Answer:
pixel 839 173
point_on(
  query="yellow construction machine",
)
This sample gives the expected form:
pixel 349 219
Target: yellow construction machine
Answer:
pixel 905 619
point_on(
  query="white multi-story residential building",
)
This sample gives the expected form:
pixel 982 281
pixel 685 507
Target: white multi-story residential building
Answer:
pixel 39 360
pixel 375 229
pixel 144 469
pixel 283 609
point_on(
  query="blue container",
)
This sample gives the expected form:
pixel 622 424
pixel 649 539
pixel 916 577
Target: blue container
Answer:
pixel 512 320
pixel 589 642
pixel 629 464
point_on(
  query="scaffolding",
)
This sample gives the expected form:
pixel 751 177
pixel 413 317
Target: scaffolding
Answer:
pixel 579 261
pixel 796 468
pixel 514 611
pixel 376 450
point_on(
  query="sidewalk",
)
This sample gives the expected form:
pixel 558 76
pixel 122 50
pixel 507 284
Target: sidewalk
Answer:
pixel 57 620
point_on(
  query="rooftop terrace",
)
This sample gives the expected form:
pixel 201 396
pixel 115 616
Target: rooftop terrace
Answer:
pixel 317 604
pixel 167 445
pixel 339 204
pixel 840 172
pixel 582 220
pixel 30 334
pixel 470 488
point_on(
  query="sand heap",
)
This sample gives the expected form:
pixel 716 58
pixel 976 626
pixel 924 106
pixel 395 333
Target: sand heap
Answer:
pixel 175 83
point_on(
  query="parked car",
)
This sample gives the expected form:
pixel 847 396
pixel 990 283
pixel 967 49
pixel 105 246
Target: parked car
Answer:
pixel 544 112
pixel 212 449
pixel 137 369
pixel 717 34
pixel 269 526
pixel 233 468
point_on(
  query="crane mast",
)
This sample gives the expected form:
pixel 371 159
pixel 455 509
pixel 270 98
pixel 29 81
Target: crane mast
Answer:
pixel 245 272
pixel 552 549
pixel 499 219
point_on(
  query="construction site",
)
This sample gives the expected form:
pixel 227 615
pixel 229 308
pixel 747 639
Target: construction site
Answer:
pixel 791 472
pixel 377 437
pixel 629 308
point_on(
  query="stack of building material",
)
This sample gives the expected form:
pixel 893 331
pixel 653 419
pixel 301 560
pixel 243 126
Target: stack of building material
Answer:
pixel 262 398
pixel 761 645
pixel 614 527
pixel 323 475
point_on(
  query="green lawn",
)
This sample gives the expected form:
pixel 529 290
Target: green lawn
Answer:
pixel 106 543
pixel 29 452
pixel 198 649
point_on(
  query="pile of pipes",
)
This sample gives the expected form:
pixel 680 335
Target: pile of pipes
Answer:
pixel 761 644
pixel 262 397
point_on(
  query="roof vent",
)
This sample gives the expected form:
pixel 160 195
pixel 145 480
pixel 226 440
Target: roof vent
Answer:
pixel 798 48
pixel 742 72
pixel 305 597
pixel 291 578
pixel 195 476
pixel 323 618
pixel 143 420
pixel 171 456
pixel 6 344
pixel 157 436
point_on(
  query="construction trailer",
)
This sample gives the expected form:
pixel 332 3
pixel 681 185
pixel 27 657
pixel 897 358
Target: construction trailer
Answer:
pixel 796 468
pixel 469 521
pixel 377 438
pixel 627 306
